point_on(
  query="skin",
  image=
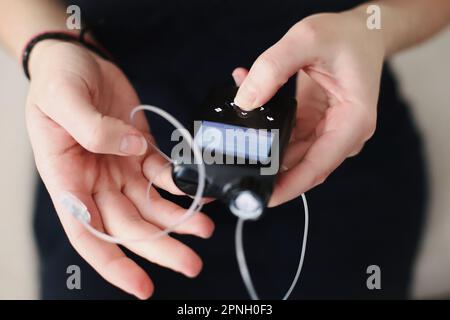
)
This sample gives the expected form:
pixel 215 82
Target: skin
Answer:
pixel 338 62
pixel 78 109
pixel 82 155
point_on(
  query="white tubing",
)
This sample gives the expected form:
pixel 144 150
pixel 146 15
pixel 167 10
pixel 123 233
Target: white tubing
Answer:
pixel 243 268
pixel 79 210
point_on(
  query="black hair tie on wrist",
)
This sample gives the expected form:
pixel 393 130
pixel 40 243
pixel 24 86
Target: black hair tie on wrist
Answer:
pixel 62 36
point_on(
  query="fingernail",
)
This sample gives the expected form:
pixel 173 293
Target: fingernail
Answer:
pixel 245 99
pixel 132 144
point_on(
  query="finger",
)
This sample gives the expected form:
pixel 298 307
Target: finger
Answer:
pixel 106 258
pixel 272 69
pixel 324 155
pixel 122 220
pixel 312 104
pixel 295 151
pixel 310 94
pixel 356 150
pixel 159 171
pixel 72 109
pixel 239 75
pixel 164 213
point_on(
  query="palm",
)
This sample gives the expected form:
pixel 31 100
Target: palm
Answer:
pixel 80 170
pixel 326 114
pixel 312 107
pixel 113 187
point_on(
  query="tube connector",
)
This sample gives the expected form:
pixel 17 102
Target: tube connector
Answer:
pixel 75 207
pixel 246 205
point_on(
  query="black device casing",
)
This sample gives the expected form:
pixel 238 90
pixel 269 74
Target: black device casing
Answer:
pixel 223 181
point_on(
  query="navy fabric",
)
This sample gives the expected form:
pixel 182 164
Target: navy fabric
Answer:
pixel 369 211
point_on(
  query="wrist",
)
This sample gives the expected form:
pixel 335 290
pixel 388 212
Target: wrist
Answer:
pixel 378 39
pixel 39 52
pixel 43 41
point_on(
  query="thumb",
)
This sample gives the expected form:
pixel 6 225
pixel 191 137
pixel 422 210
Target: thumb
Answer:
pixel 107 135
pixel 272 69
pixel 93 130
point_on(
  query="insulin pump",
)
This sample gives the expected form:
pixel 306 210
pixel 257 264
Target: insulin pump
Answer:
pixel 241 151
pixel 237 157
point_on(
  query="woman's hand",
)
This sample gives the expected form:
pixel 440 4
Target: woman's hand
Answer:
pixel 339 63
pixel 78 111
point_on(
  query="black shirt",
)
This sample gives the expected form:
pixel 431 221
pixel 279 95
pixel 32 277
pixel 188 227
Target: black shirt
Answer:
pixel 369 211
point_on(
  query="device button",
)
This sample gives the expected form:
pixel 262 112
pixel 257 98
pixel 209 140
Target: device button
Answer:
pixel 240 113
pixel 218 110
pixel 243 114
pixel 263 109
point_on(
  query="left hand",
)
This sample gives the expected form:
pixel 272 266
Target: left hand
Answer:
pixel 78 111
pixel 339 63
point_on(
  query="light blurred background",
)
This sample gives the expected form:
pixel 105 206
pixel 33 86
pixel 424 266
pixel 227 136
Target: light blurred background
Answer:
pixel 425 80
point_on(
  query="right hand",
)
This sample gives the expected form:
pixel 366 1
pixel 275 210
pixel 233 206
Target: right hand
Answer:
pixel 77 114
pixel 338 63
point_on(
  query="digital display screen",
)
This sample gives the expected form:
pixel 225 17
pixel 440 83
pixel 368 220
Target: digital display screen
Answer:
pixel 236 141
